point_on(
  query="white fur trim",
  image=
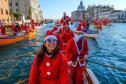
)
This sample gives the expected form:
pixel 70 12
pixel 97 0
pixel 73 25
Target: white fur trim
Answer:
pixel 50 37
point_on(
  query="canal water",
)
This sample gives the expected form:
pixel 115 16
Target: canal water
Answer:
pixel 109 49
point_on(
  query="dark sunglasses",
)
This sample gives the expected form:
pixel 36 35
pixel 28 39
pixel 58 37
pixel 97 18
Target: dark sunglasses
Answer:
pixel 51 40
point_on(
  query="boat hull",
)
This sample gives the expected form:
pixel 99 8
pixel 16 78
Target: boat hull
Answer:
pixel 94 36
pixel 91 78
pixel 8 41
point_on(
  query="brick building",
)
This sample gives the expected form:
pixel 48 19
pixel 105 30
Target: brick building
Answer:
pixel 4 11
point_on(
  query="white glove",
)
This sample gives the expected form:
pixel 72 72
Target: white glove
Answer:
pixel 70 62
pixel 85 57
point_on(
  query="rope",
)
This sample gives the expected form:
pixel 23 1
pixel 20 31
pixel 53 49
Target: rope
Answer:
pixel 124 70
pixel 114 67
pixel 13 57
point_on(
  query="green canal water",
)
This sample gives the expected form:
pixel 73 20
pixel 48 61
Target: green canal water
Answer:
pixel 109 48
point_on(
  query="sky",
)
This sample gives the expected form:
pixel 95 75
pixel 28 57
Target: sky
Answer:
pixel 53 9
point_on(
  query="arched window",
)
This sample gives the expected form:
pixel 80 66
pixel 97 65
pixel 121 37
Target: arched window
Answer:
pixel 1 11
pixel 6 12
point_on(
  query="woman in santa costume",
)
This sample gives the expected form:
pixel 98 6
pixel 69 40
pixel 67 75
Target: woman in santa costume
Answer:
pixel 49 66
pixel 76 52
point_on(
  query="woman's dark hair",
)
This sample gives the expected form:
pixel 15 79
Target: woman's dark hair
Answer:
pixel 40 54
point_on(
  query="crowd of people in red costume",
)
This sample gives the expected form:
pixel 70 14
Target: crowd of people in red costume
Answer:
pixel 19 28
pixel 62 57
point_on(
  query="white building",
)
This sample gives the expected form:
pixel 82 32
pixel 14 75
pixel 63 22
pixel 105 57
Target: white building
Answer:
pixel 104 14
pixel 114 15
pixel 118 16
pixel 79 13
pixel 95 11
pixel 122 15
pixel 29 8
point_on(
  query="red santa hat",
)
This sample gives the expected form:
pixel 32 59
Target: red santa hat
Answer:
pixel 49 35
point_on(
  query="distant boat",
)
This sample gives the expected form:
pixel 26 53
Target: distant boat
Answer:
pixel 99 26
pixel 94 36
pixel 91 34
pixel 13 39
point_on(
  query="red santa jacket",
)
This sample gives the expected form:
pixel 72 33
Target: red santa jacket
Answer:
pixel 50 71
pixel 66 35
pixel 54 29
pixel 75 49
pixel 84 24
pixel 65 20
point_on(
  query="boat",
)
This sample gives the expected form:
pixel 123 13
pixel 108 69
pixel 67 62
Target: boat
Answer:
pixel 94 36
pixel 91 78
pixel 7 40
pixel 91 34
pixel 98 26
pixel 109 24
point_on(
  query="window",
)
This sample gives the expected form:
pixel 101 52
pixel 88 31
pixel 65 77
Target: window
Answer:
pixel 1 11
pixel 8 19
pixel 16 10
pixel 10 4
pixel 3 20
pixel 6 12
pixel 16 4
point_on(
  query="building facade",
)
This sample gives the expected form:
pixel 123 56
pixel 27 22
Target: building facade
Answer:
pixel 95 11
pixel 104 14
pixel 4 11
pixel 79 13
pixel 114 15
pixel 118 16
pixel 30 9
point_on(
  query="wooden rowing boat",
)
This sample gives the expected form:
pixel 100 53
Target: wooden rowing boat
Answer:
pixel 90 78
pixel 13 39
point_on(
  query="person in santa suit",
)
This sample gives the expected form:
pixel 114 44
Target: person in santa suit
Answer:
pixel 84 23
pixel 2 30
pixel 65 34
pixel 56 27
pixel 49 66
pixel 56 31
pixel 76 53
pixel 65 19
pixel 80 26
pixel 32 23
